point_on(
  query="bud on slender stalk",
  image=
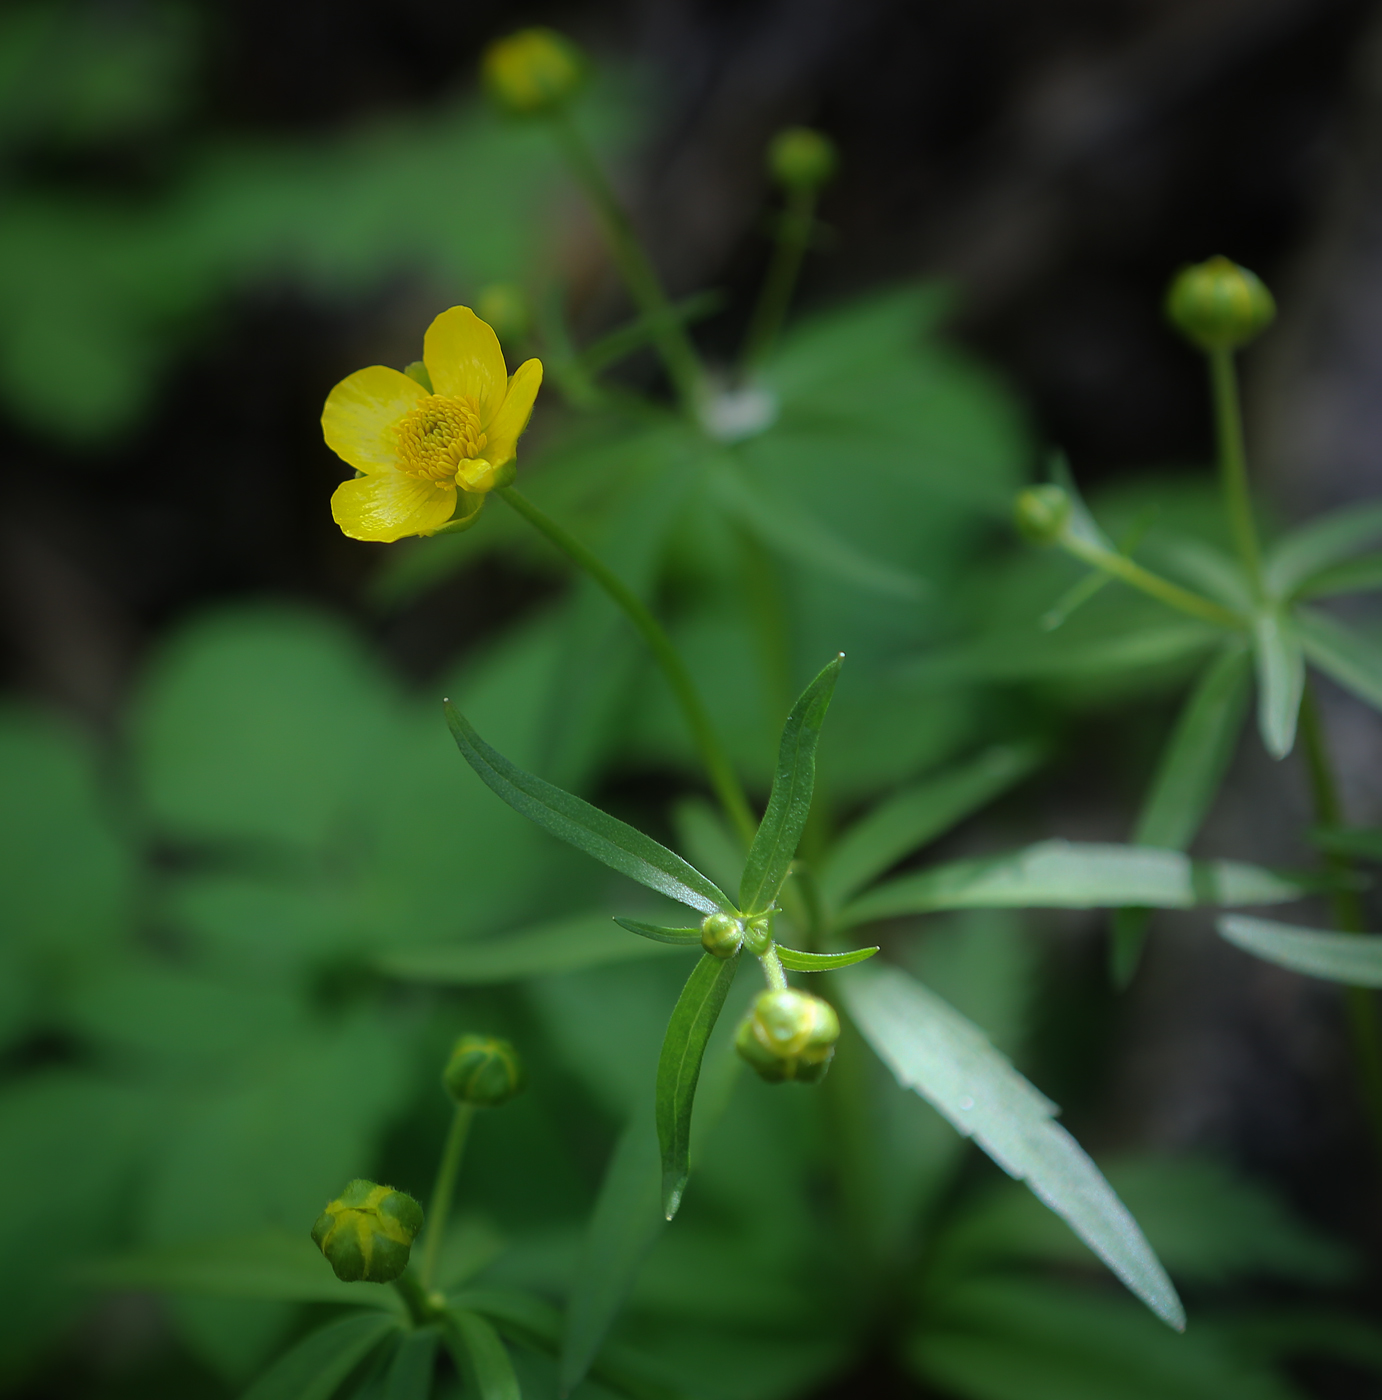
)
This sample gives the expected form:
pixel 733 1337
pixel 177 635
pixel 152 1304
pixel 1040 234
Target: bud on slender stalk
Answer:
pixel 1219 305
pixel 722 935
pixel 534 70
pixel 1041 512
pixel 483 1071
pixel 789 1035
pixel 368 1232
pixel 801 159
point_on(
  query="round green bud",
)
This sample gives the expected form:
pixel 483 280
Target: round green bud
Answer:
pixel 483 1071
pixel 1219 305
pixel 801 159
pixel 367 1232
pixel 1040 513
pixel 505 308
pixel 789 1035
pixel 534 70
pixel 758 933
pixel 722 935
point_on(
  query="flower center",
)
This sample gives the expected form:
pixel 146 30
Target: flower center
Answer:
pixel 437 436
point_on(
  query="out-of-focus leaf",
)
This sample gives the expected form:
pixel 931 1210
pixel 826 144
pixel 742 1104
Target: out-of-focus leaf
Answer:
pixel 586 941
pixel 1019 1339
pixel 322 1361
pixel 1280 665
pixel 1071 875
pixel 775 843
pixel 268 1264
pixel 676 937
pixel 1212 571
pixel 1352 958
pixel 604 838
pixel 1365 842
pixel 1188 775
pixel 919 814
pixel 703 834
pixel 1362 575
pixel 411 1370
pixel 679 1068
pixel 1352 660
pixel 1323 542
pixel 946 1059
pixel 481 1356
pixel 821 962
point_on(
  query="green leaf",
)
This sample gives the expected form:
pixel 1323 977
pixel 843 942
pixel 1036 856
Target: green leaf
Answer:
pixel 1362 575
pixel 1320 544
pixel 1354 959
pixel 624 1225
pixel 414 1363
pixel 1344 656
pixel 322 1361
pixel 707 838
pixel 481 1356
pixel 1364 842
pixel 269 1264
pixel 604 838
pixel 679 1067
pixel 789 804
pixel 821 962
pixel 1280 680
pixel 1187 780
pixel 679 937
pixel 562 946
pixel 919 814
pixel 1071 875
pixel 935 1051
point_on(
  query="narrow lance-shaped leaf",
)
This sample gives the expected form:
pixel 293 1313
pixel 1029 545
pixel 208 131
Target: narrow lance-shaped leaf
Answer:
pixel 677 937
pixel 323 1359
pixel 605 838
pixel 1323 542
pixel 919 814
pixel 1192 766
pixel 1354 661
pixel 1354 959
pixel 1280 680
pixel 1363 842
pixel 481 1356
pixel 679 1067
pixel 1070 875
pixel 946 1059
pixel 821 962
pixel 789 804
pixel 1362 575
pixel 411 1370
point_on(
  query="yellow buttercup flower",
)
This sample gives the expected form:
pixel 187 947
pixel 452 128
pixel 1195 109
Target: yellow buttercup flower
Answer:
pixel 429 453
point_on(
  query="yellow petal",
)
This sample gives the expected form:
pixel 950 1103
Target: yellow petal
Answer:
pixel 463 357
pixel 360 414
pixel 391 505
pixel 507 425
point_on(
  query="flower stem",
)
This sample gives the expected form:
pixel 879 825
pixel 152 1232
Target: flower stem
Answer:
pixel 793 238
pixel 1120 566
pixel 442 1192
pixel 772 969
pixel 1233 464
pixel 717 765
pixel 422 1308
pixel 669 334
pixel 1364 1031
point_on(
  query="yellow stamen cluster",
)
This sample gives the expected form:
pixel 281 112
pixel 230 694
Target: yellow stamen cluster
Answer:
pixel 438 437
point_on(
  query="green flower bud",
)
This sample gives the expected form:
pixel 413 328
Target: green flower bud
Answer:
pixel 758 934
pixel 367 1232
pixel 534 70
pixel 801 159
pixel 483 1071
pixel 1219 305
pixel 505 308
pixel 789 1035
pixel 1040 513
pixel 722 935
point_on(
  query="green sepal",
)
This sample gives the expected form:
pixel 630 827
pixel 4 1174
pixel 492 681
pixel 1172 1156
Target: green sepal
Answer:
pixel 604 838
pixel 820 962
pixel 679 1067
pixel 789 804
pixel 680 936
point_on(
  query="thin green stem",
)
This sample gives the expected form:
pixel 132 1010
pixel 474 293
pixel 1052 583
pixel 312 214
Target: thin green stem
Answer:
pixel 1233 464
pixel 717 764
pixel 793 238
pixel 423 1307
pixel 1120 566
pixel 439 1207
pixel 669 334
pixel 772 969
pixel 1364 1030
